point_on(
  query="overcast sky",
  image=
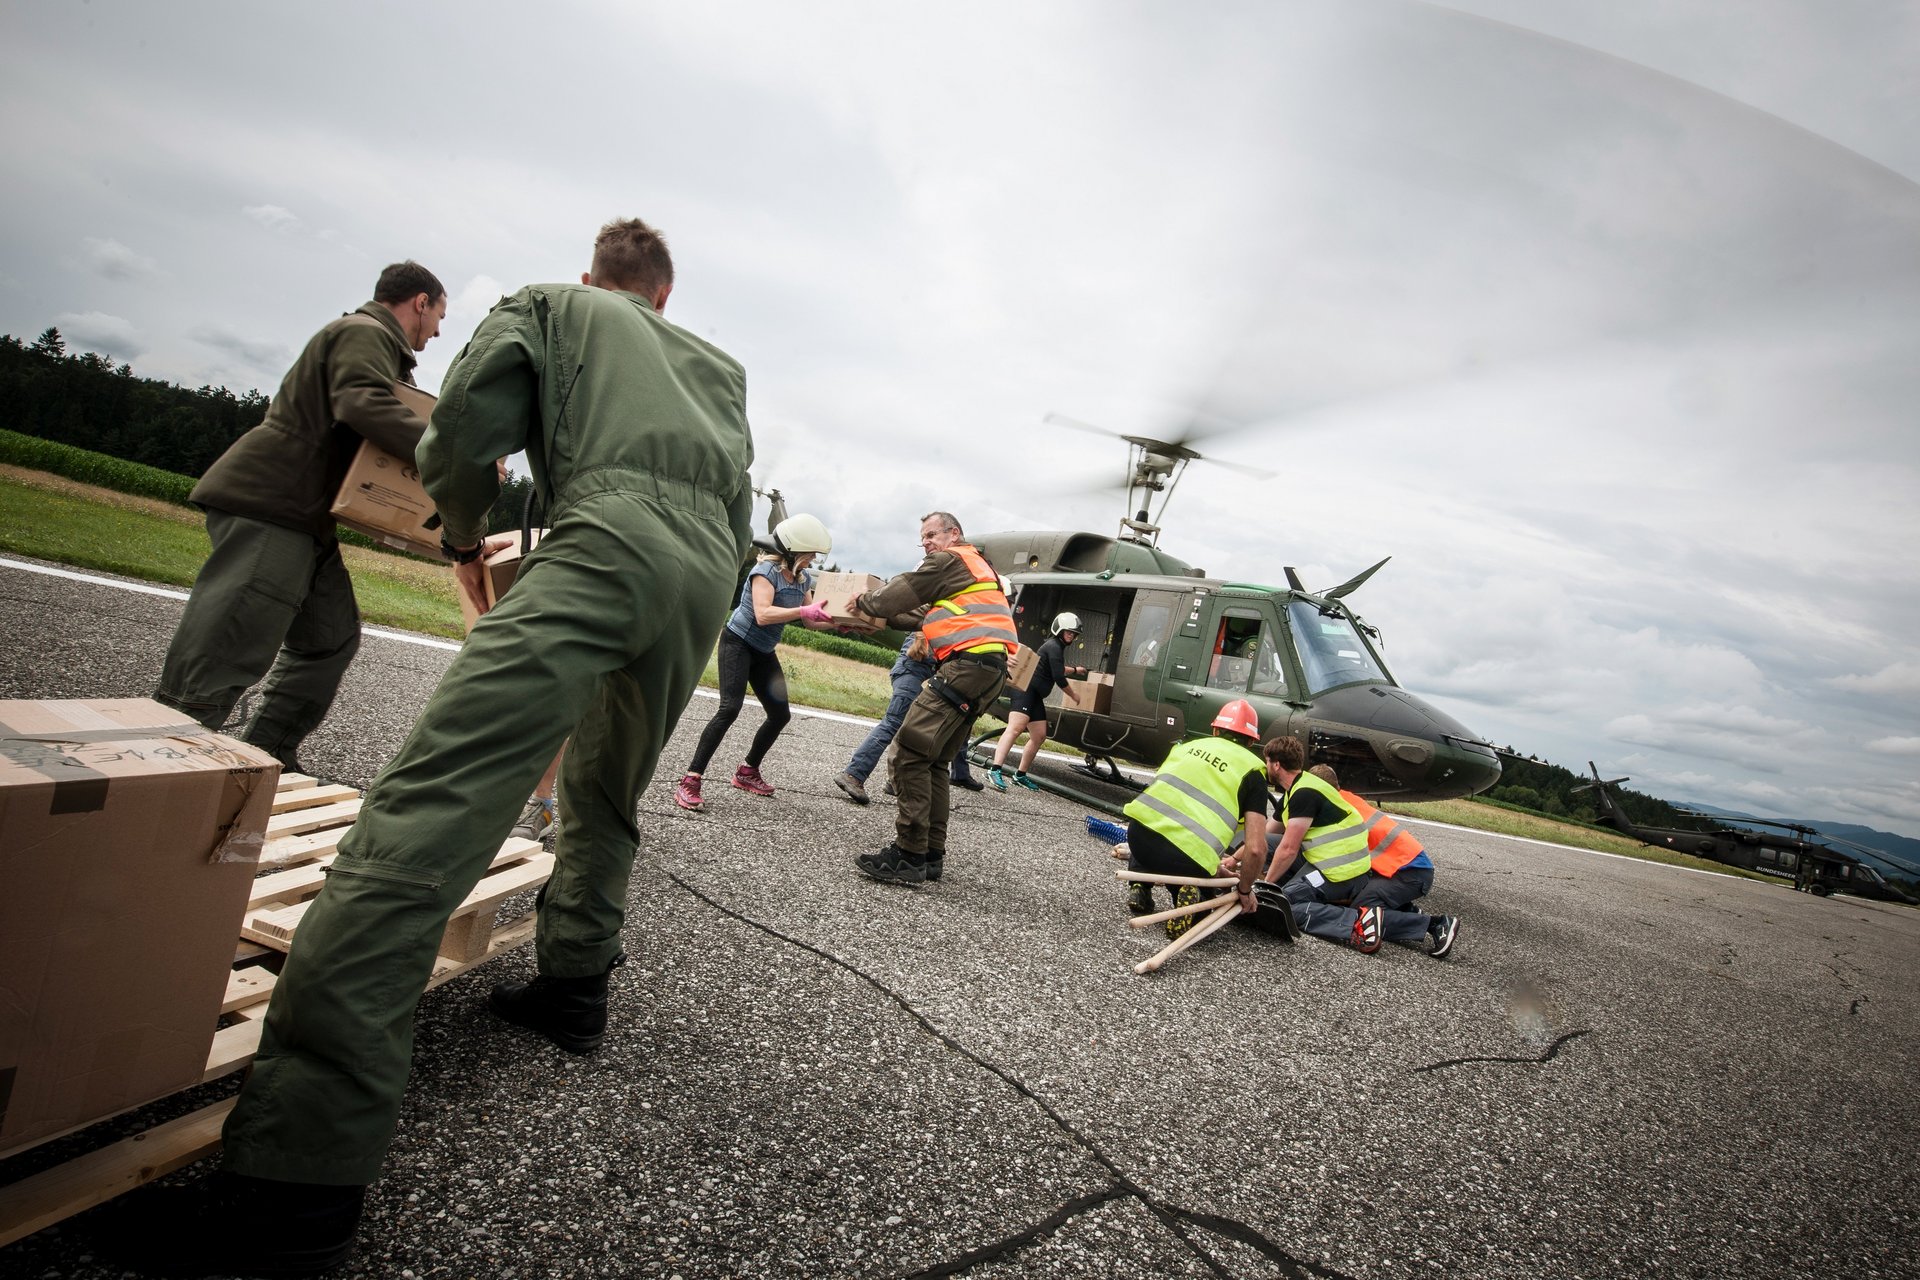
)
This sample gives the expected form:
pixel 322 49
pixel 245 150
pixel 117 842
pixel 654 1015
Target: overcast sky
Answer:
pixel 1602 320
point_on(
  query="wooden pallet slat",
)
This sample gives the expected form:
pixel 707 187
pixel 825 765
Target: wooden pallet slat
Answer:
pixel 311 797
pixel 302 820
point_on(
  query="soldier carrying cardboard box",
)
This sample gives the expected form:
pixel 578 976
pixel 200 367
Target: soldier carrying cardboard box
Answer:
pixel 273 598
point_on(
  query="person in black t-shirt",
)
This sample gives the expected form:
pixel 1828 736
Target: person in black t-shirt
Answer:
pixel 1029 714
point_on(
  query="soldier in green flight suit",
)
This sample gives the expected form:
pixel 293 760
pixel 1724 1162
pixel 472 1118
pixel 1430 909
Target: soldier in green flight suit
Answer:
pixel 637 437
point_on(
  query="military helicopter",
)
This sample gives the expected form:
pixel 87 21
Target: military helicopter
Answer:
pixel 1179 645
pixel 1807 857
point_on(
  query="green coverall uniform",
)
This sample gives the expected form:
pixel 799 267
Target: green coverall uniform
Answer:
pixel 934 729
pixel 603 638
pixel 273 598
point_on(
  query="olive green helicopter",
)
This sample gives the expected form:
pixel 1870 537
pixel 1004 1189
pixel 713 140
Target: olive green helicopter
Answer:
pixel 1178 645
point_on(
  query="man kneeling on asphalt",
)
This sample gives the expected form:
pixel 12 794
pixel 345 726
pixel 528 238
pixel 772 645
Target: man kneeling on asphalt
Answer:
pixel 1326 894
pixel 956 600
pixel 1205 793
pixel 638 443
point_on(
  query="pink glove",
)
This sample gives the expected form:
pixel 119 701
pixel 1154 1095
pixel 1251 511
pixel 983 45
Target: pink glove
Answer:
pixel 815 613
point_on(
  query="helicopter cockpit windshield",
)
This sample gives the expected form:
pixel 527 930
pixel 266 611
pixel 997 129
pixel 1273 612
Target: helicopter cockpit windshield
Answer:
pixel 1331 651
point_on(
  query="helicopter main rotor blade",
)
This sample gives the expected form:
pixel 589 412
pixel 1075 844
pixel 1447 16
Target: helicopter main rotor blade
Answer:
pixel 1074 424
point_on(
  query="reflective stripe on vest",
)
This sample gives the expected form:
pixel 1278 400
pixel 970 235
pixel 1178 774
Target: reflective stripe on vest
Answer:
pixel 1337 848
pixel 975 618
pixel 1391 844
pixel 1192 800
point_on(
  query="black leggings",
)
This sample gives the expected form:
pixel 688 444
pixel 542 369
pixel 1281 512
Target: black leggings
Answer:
pixel 740 665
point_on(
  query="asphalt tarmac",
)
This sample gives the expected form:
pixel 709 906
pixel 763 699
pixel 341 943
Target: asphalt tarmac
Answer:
pixel 1624 1068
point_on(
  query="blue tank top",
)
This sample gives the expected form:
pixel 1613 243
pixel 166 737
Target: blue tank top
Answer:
pixel 786 595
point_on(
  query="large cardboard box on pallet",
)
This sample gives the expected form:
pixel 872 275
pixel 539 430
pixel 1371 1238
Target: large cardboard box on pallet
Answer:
pixel 381 495
pixel 129 837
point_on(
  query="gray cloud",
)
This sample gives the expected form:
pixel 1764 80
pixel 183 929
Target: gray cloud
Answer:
pixel 115 261
pixel 264 357
pixel 97 331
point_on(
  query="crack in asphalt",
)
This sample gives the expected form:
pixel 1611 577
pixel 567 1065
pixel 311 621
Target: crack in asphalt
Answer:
pixel 1552 1052
pixel 1176 1219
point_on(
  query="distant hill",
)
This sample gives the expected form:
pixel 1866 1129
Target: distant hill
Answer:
pixel 1902 852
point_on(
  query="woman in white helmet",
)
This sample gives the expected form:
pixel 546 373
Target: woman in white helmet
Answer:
pixel 1029 714
pixel 778 590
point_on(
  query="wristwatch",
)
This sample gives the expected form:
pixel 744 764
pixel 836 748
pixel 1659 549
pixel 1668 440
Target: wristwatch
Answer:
pixel 458 556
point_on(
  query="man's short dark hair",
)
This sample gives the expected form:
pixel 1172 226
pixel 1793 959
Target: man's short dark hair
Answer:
pixel 947 520
pixel 628 254
pixel 405 280
pixel 1286 752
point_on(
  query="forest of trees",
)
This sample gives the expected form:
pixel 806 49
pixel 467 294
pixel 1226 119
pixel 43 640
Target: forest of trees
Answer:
pixel 88 401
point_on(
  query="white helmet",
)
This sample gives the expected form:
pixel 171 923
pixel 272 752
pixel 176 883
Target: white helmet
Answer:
pixel 797 535
pixel 1066 622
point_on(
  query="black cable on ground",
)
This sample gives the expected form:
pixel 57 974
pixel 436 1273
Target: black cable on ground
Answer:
pixel 1174 1218
pixel 1553 1051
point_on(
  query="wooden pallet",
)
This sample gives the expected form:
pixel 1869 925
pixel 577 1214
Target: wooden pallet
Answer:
pixel 309 818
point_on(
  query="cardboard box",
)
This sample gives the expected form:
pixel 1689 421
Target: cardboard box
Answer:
pixel 502 568
pixel 1021 666
pixel 832 591
pixel 129 838
pixel 1094 698
pixel 381 495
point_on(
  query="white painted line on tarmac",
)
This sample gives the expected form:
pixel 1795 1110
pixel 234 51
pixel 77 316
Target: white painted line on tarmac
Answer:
pixel 142 588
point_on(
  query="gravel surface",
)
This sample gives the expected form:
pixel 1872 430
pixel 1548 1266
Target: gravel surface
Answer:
pixel 1624 1069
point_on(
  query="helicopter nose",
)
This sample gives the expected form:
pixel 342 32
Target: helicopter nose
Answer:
pixel 1464 768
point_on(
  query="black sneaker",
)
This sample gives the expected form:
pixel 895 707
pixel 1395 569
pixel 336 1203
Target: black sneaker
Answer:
pixel 229 1224
pixel 1442 934
pixel 936 864
pixel 571 1012
pixel 893 865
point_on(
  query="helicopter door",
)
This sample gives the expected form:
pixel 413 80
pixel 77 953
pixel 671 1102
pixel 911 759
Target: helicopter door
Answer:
pixel 1137 692
pixel 1240 658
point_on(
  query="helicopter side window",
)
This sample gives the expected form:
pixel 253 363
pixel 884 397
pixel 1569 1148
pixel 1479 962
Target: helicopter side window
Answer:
pixel 1236 651
pixel 1331 651
pixel 1790 860
pixel 1148 627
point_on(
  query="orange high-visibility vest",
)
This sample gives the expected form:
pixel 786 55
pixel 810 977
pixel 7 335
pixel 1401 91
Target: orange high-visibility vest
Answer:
pixel 1391 844
pixel 976 619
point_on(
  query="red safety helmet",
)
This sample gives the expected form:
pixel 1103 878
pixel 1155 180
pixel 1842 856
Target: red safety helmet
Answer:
pixel 1239 717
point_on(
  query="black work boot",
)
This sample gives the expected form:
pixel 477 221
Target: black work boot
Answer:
pixel 230 1224
pixel 893 865
pixel 571 1012
pixel 936 863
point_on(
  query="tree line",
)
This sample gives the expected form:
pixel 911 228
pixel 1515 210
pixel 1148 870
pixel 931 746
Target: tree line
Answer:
pixel 88 401
pixel 1547 788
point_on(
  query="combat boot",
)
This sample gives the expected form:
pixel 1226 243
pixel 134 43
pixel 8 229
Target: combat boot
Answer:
pixel 230 1224
pixel 571 1012
pixel 936 864
pixel 893 865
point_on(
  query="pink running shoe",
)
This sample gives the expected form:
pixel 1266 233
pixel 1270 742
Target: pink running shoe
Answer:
pixel 687 794
pixel 748 778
